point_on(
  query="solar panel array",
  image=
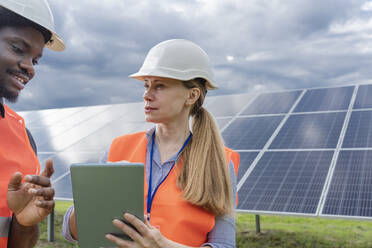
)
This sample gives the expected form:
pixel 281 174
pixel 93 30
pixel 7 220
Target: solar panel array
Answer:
pixel 303 152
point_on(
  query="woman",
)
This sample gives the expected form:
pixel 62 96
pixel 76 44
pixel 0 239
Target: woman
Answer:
pixel 190 186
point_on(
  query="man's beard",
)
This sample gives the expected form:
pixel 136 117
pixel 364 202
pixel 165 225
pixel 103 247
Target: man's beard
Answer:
pixel 7 94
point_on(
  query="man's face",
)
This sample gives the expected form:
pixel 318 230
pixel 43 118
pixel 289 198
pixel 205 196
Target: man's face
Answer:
pixel 20 50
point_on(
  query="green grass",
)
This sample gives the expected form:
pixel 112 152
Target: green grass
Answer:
pixel 276 231
pixel 284 231
pixel 60 209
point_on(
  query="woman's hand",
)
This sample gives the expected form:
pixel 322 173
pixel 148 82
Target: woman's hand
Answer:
pixel 146 237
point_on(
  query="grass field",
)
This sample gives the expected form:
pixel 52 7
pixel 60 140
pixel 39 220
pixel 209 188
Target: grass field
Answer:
pixel 276 231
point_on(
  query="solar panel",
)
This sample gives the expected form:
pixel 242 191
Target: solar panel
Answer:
pixel 294 159
pixel 250 132
pixel 221 123
pixel 102 138
pixel 63 187
pixel 350 191
pixel 62 161
pixel 54 117
pixel 272 103
pixel 43 157
pixel 246 159
pixel 359 131
pixel 133 112
pixel 63 135
pixel 37 115
pixel 228 105
pixel 363 99
pixel 306 131
pixel 325 99
pixel 290 182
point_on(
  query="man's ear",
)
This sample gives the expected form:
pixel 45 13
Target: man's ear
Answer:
pixel 194 95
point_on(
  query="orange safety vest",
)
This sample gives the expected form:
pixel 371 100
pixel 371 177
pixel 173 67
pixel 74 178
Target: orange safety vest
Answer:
pixel 177 219
pixel 16 154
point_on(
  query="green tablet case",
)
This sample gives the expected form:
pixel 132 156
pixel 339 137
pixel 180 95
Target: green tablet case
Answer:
pixel 103 192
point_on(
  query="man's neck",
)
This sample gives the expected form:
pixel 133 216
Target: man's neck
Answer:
pixel 2 109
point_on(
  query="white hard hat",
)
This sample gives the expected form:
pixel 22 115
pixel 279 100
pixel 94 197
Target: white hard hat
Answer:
pixel 178 59
pixel 39 12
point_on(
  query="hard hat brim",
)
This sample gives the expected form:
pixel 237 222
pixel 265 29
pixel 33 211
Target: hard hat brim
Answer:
pixel 56 43
pixel 180 76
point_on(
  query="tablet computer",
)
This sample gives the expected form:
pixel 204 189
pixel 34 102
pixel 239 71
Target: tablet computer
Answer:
pixel 103 192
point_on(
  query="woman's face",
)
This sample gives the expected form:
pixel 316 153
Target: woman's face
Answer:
pixel 165 100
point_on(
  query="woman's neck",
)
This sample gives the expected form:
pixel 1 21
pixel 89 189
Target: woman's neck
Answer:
pixel 170 138
pixel 171 134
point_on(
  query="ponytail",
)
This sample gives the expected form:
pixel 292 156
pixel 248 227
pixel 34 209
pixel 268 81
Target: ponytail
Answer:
pixel 204 176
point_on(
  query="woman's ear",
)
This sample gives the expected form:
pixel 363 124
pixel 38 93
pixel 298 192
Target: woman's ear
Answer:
pixel 194 95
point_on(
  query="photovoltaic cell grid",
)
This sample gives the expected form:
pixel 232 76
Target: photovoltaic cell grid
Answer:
pixel 284 183
pixel 272 103
pixel 359 132
pixel 325 99
pixel 364 99
pixel 350 193
pixel 287 178
pixel 290 182
pixel 250 132
pixel 223 106
pixel 310 131
pixel 246 159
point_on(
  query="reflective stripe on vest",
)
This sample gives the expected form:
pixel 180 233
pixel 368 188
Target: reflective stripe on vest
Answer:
pixel 16 154
pixel 177 219
pixel 4 226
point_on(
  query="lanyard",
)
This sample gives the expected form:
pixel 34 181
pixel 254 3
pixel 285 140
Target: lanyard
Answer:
pixel 150 197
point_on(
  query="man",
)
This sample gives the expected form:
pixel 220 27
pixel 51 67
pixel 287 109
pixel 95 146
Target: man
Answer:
pixel 26 196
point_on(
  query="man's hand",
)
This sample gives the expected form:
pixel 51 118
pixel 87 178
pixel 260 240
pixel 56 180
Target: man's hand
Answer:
pixel 32 200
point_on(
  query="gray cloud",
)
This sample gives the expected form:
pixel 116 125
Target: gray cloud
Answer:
pixel 254 46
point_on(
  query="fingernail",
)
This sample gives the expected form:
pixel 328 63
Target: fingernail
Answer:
pixel 28 178
pixel 32 191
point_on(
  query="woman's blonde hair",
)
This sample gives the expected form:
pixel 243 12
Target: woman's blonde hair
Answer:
pixel 204 176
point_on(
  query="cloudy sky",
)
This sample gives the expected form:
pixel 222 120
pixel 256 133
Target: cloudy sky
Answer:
pixel 254 45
